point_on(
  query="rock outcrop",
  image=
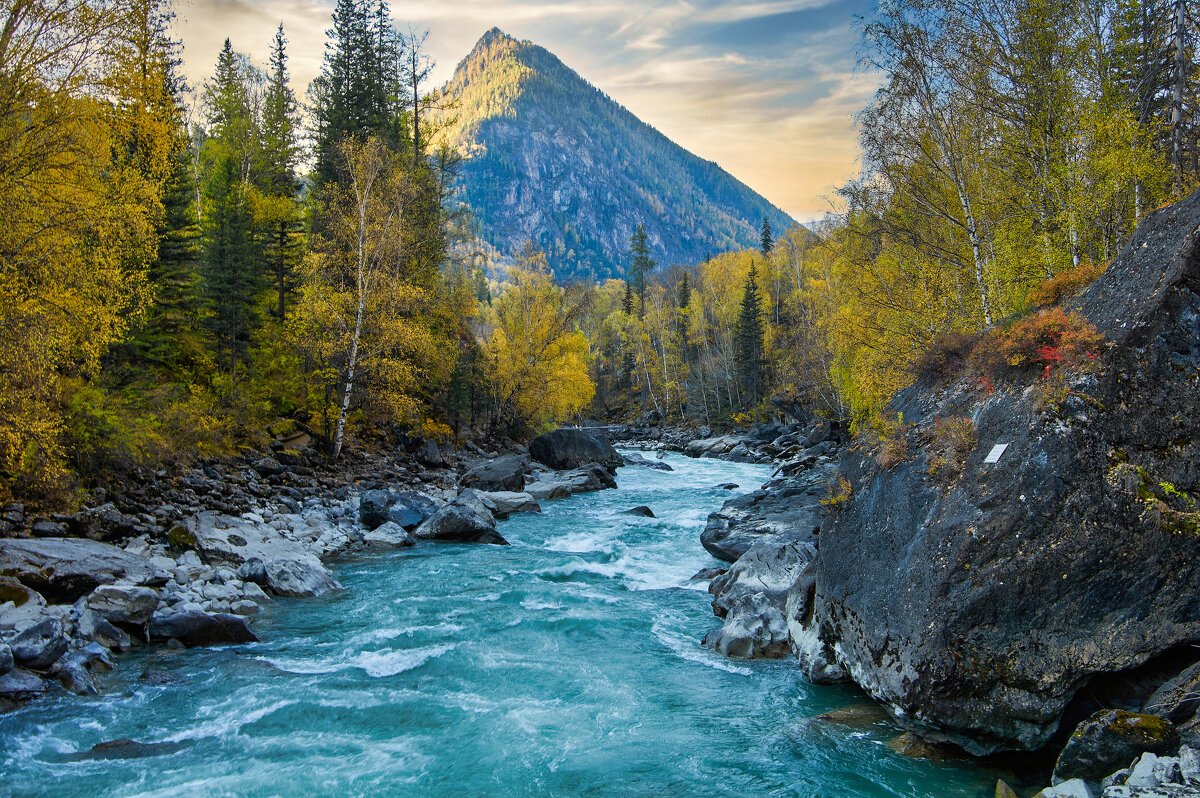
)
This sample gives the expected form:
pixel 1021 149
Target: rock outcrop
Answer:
pixel 977 605
pixel 505 473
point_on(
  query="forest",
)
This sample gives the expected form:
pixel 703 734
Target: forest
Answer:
pixel 187 271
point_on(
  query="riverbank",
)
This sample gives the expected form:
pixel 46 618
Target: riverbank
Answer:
pixel 228 539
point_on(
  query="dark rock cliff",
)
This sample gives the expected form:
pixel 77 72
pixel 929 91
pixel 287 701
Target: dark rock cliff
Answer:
pixel 979 607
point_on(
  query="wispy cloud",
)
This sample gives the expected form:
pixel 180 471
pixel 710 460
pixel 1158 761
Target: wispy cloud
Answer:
pixel 766 89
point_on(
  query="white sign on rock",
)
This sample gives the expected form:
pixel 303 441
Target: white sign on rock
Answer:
pixel 996 452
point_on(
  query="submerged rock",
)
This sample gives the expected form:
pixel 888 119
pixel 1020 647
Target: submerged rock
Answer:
pixel 641 510
pixel 642 462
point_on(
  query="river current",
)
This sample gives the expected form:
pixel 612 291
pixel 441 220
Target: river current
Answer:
pixel 565 664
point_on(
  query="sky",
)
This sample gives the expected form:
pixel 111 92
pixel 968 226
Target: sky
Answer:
pixel 765 88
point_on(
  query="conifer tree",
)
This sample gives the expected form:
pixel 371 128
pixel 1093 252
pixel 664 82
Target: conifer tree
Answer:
pixel 641 265
pixel 749 339
pixel 628 359
pixel 768 242
pixel 278 214
pixel 230 268
pixel 683 302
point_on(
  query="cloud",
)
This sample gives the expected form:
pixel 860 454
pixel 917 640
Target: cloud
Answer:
pixel 766 89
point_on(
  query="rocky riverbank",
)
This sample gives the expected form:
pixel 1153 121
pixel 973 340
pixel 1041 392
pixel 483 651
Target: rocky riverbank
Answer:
pixel 1014 558
pixel 189 559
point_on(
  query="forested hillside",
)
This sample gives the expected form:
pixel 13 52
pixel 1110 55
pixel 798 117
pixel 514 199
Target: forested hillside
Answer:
pixel 550 158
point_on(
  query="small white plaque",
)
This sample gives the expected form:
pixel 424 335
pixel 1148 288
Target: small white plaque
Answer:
pixel 996 452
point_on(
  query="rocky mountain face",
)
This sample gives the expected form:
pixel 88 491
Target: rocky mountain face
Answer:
pixel 550 158
pixel 1000 605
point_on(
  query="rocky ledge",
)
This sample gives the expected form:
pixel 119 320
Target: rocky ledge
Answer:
pixel 68 604
pixel 997 598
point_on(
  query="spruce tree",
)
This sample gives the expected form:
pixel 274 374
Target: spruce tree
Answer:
pixel 280 223
pixel 230 267
pixel 628 360
pixel 640 266
pixel 768 242
pixel 683 301
pixel 748 336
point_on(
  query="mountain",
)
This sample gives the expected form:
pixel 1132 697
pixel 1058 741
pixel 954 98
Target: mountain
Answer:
pixel 551 158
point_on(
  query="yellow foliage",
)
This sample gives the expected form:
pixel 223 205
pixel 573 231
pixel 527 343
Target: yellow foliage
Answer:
pixel 538 357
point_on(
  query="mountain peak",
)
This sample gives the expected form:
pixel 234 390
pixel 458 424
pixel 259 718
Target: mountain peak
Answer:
pixel 553 159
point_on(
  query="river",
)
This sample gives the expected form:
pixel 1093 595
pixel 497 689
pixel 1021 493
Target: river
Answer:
pixel 565 664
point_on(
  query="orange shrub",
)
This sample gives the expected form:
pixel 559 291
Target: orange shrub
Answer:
pixel 1044 343
pixel 1065 285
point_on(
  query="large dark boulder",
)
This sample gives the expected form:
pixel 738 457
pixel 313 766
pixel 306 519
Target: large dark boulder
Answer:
pixel 407 508
pixel 789 509
pixel 64 569
pixel 505 473
pixel 979 606
pixel 569 448
pixel 194 628
pixel 467 519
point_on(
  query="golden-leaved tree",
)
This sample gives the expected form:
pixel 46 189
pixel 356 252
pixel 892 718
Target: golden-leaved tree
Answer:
pixel 79 224
pixel 538 356
pixel 360 312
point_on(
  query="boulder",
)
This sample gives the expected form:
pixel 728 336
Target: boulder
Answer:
pixel 39 646
pixel 406 508
pixel 641 510
pixel 643 462
pixel 983 604
pixel 508 502
pixel 7 663
pixel 429 454
pixel 373 506
pixel 390 535
pixel 789 509
pixel 1110 740
pixel 1178 698
pixel 505 473
pixel 568 448
pixel 91 626
pixel 124 604
pixel 195 628
pixel 752 598
pixel 66 569
pixel 299 578
pixel 75 671
pixel 20 685
pixel 460 521
pixel 589 478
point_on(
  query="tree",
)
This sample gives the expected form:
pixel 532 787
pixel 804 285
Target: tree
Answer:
pixel 361 311
pixel 640 266
pixel 231 268
pixel 768 242
pixel 749 335
pixel 538 356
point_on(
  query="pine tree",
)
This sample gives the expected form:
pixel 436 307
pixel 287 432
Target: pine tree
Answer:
pixel 749 340
pixel 768 242
pixel 278 215
pixel 230 267
pixel 628 359
pixel 683 302
pixel 279 125
pixel 353 96
pixel 640 267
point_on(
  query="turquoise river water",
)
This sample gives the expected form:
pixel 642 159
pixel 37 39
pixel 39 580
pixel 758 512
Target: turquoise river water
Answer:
pixel 565 664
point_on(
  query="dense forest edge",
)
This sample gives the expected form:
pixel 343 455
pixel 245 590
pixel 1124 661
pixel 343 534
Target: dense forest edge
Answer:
pixel 190 272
